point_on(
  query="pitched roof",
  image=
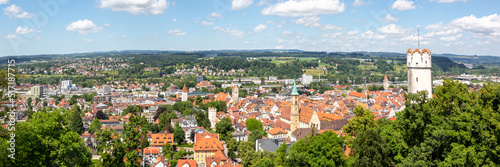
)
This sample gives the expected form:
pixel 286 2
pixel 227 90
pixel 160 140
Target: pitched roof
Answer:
pixel 191 163
pixel 277 130
pixel 184 88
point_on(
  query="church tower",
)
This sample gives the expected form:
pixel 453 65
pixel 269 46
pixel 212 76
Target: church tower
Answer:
pixel 294 113
pixel 235 94
pixel 184 94
pixel 419 71
pixel 386 83
pixel 211 116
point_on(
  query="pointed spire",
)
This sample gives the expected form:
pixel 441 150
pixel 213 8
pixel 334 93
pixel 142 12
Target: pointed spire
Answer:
pixel 294 90
pixel 385 77
pixel 184 88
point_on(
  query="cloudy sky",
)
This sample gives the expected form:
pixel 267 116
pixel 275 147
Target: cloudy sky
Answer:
pixel 71 26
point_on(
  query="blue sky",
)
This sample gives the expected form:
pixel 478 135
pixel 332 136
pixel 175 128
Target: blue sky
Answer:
pixel 72 26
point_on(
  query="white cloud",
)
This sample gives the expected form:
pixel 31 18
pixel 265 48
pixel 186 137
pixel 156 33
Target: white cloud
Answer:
pixel 87 40
pixel 4 2
pixel 135 7
pixel 299 8
pixel 451 38
pixel 411 38
pixel 308 20
pixel 206 23
pixel 233 32
pixel 448 1
pixel 486 25
pixel 240 4
pixel 359 3
pixel 23 30
pixel 15 12
pixel 83 27
pixel 107 25
pixel 389 18
pixel 333 35
pixel 371 35
pixel 10 37
pixel 174 20
pixel 403 5
pixel 331 27
pixel 312 21
pixel 213 16
pixel 259 28
pixel 177 32
pixel 286 33
pixel 352 33
pixel 391 29
pixel 249 42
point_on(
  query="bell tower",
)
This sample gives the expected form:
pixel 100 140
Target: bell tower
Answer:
pixel 294 110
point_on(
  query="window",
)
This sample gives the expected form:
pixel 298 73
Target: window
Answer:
pixel 417 79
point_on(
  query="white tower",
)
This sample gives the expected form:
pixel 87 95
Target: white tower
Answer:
pixel 386 83
pixel 419 71
pixel 212 112
pixel 184 95
pixel 235 94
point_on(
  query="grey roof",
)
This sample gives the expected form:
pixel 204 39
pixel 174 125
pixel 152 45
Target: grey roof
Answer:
pixel 270 145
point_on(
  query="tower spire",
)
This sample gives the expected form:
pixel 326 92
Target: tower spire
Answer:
pixel 294 89
pixel 418 37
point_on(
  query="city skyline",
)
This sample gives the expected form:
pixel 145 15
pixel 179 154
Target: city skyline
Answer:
pixel 57 27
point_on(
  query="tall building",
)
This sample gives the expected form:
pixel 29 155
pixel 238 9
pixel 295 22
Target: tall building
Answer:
pixel 306 79
pixel 37 91
pixel 294 111
pixel 386 83
pixel 419 71
pixel 212 112
pixel 66 84
pixel 235 94
pixel 184 95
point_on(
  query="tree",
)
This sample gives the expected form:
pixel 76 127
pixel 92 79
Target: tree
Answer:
pixel 454 128
pixel 231 145
pixel 199 100
pixel 253 124
pixel 223 127
pixel 45 140
pixel 95 126
pixel 165 119
pixel 363 120
pixel 179 135
pixel 100 115
pixel 370 149
pixel 75 121
pixel 256 134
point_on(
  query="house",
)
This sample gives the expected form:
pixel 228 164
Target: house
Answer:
pixel 161 162
pixel 160 139
pixel 276 133
pixel 206 145
pixel 186 163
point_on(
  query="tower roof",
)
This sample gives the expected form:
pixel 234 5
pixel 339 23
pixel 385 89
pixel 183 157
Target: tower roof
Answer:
pixel 184 88
pixel 385 77
pixel 294 90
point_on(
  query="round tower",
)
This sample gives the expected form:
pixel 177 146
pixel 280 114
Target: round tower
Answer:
pixel 419 71
pixel 386 83
pixel 212 112
pixel 184 95
pixel 235 94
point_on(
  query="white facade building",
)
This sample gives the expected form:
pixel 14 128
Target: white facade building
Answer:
pixel 419 71
pixel 306 79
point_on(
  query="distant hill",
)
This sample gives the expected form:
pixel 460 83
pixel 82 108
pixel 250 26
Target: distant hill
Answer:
pixel 260 53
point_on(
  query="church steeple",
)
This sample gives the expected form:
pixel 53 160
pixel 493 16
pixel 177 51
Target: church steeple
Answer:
pixel 294 110
pixel 294 89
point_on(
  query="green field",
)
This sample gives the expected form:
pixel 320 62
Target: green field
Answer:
pixel 315 72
